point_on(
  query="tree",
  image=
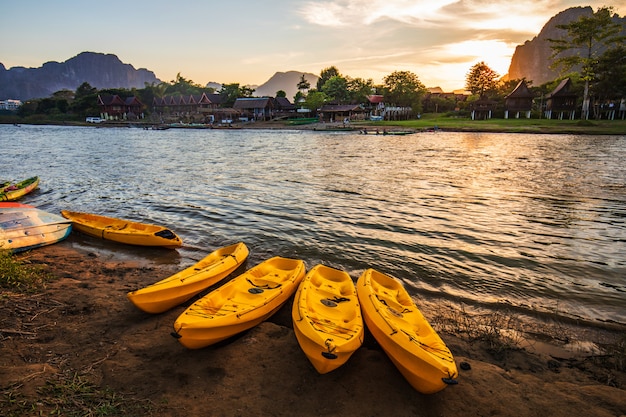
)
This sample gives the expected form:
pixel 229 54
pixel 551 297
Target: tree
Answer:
pixel 183 86
pixel 85 101
pixel 611 74
pixel 481 80
pixel 231 92
pixel 591 34
pixel 403 88
pixel 246 91
pixel 281 93
pixel 325 75
pixel 359 89
pixel 336 88
pixel 85 89
pixel 303 84
pixel 315 100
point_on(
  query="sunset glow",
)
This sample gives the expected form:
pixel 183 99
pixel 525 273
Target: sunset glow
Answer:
pixel 217 42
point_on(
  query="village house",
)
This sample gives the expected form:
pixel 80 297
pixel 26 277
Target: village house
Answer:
pixel 203 108
pixel 483 108
pixel 255 108
pixel 284 107
pixel 341 112
pixel 520 100
pixel 10 104
pixel 561 101
pixel 113 107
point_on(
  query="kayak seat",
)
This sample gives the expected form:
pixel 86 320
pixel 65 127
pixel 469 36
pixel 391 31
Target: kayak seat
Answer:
pixel 345 289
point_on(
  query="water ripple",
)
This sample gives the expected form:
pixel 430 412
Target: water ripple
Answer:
pixel 533 222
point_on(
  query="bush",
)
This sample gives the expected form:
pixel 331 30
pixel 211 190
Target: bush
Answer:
pixel 18 276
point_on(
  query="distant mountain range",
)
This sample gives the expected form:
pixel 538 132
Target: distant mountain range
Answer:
pixel 530 61
pixel 107 71
pixel 99 70
pixel 285 81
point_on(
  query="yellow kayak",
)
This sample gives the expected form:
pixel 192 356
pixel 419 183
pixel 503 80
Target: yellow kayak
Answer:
pixel 327 318
pixel 13 192
pixel 122 231
pixel 180 287
pixel 404 334
pixel 239 304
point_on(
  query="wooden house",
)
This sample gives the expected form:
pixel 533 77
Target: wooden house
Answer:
pixel 561 101
pixel 340 112
pixel 113 107
pixel 483 108
pixel 376 106
pixel 196 107
pixel 284 107
pixel 520 100
pixel 257 108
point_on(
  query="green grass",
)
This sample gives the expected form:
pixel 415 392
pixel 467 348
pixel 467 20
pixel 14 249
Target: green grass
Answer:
pixel 18 275
pixel 522 125
pixel 71 395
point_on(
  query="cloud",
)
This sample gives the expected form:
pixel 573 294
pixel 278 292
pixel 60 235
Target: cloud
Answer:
pixel 356 12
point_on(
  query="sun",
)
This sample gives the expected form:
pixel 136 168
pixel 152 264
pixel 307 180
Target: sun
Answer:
pixel 496 54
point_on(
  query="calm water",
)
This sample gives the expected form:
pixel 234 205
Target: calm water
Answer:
pixel 535 222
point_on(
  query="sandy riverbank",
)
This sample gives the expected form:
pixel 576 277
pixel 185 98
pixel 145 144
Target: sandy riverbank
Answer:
pixel 82 328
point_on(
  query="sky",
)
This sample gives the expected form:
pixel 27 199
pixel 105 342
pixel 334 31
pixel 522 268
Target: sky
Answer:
pixel 246 42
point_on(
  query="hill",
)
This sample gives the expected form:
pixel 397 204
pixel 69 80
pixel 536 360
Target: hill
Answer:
pixel 532 59
pixel 99 70
pixel 286 81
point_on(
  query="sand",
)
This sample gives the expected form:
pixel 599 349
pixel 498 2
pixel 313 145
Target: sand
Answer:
pixel 82 332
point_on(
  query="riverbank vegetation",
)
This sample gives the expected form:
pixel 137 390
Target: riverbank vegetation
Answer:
pixel 17 275
pixel 450 122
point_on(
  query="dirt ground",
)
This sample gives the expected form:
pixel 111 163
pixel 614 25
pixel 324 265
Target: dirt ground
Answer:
pixel 82 338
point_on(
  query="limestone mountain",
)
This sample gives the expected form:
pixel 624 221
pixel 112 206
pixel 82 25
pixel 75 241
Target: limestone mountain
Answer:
pixel 532 59
pixel 99 70
pixel 286 81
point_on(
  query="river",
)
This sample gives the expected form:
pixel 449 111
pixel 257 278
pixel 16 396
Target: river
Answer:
pixel 532 222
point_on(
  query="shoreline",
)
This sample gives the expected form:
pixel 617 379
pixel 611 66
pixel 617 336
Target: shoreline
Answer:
pixel 83 325
pixel 428 123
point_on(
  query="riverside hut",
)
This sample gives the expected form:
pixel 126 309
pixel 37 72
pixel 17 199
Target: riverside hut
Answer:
pixel 561 101
pixel 482 109
pixel 520 100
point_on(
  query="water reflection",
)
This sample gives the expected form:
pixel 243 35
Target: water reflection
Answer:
pixel 533 221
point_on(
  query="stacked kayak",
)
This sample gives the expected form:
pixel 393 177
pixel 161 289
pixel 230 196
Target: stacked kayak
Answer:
pixel 240 304
pixel 24 227
pixel 123 231
pixel 404 334
pixel 180 287
pixel 12 192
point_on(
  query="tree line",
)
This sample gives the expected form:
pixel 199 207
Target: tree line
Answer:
pixel 597 75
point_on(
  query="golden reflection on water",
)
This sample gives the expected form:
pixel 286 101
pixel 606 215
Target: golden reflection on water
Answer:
pixel 527 220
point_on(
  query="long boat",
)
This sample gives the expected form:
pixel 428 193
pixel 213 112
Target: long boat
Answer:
pixel 240 304
pixel 24 227
pixel 327 318
pixel 404 334
pixel 183 285
pixel 122 231
pixel 12 192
